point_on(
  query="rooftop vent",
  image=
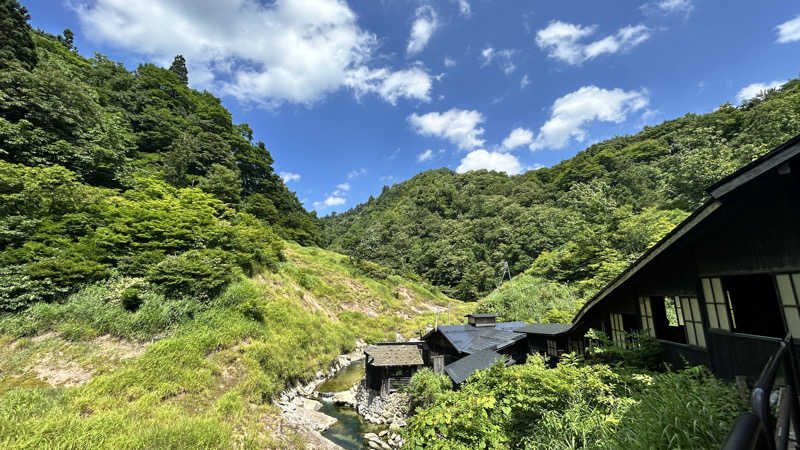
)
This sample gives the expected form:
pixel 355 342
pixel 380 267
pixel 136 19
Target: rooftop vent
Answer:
pixel 482 320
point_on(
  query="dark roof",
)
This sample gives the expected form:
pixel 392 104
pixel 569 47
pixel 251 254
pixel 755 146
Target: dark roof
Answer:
pixel 482 315
pixel 460 370
pixel 394 355
pixel 544 328
pixel 470 339
pixel 774 158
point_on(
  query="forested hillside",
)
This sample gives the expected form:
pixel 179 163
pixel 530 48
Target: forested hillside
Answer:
pixel 578 223
pixel 106 172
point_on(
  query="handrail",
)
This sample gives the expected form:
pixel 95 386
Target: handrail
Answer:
pixel 758 429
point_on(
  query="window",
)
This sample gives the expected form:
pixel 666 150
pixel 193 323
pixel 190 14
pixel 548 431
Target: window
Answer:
pixel 576 346
pixel 716 304
pixel 789 289
pixel 673 311
pixel 690 307
pixel 646 311
pixel 552 348
pixel 745 304
pixel 618 330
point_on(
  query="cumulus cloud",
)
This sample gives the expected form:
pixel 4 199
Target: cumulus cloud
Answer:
pixel 573 111
pixel 425 156
pixel 449 62
pixel 459 126
pixel 268 53
pixel 752 90
pixel 503 58
pixel 425 23
pixel 413 83
pixel 482 159
pixel 524 82
pixel 517 138
pixel 288 177
pixel 344 187
pixel 333 201
pixel 789 31
pixel 565 41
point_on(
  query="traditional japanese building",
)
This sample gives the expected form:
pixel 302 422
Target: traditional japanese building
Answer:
pixel 721 289
pixel 389 366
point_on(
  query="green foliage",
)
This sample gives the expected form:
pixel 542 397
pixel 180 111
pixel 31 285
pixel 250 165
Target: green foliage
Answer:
pixel 130 299
pixel 528 298
pixel 687 409
pixel 178 67
pixel 580 222
pixel 16 44
pixel 201 274
pixel 644 351
pixel 425 387
pixel 577 406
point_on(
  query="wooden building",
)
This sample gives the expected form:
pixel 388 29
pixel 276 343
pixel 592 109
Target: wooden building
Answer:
pixel 389 366
pixel 447 344
pixel 723 287
pixel 548 339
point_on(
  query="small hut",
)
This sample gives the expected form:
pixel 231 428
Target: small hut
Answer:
pixel 390 365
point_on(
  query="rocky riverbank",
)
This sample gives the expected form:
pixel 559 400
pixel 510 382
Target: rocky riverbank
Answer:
pixel 296 403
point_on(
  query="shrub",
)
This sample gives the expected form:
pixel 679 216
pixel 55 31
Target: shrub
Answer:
pixel 425 387
pixel 130 299
pixel 202 274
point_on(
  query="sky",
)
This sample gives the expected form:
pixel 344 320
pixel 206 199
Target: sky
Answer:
pixel 350 96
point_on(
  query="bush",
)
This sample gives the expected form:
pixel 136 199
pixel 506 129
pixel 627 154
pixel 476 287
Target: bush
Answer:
pixel 130 299
pixel 425 387
pixel 202 274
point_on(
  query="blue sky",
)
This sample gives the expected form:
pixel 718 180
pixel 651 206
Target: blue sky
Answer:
pixel 352 95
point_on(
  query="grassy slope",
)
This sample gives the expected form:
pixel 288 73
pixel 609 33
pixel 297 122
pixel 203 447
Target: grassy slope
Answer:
pixel 205 379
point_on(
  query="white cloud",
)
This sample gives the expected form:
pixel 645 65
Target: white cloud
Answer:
pixel 459 126
pixel 684 7
pixel 425 23
pixel 502 57
pixel 517 138
pixel 288 177
pixel 571 112
pixel 356 173
pixel 425 156
pixel 789 31
pixel 449 62
pixel 563 41
pixel 262 52
pixel 482 159
pixel 332 200
pixel 752 90
pixel 524 82
pixel 464 7
pixel 413 83
pixel 344 187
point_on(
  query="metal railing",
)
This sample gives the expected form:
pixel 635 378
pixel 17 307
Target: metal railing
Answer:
pixel 773 421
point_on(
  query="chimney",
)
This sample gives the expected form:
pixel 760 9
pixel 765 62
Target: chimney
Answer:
pixel 482 320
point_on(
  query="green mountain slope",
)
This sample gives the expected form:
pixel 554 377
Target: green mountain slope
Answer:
pixel 579 222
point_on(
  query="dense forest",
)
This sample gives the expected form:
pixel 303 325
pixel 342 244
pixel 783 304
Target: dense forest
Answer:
pixel 109 172
pixel 578 223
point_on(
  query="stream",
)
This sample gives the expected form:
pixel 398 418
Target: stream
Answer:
pixel 348 432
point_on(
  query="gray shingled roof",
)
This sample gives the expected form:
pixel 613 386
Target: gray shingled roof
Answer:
pixel 544 328
pixel 469 339
pixel 460 370
pixel 395 355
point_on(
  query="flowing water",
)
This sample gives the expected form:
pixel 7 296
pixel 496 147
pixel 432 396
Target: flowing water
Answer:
pixel 350 428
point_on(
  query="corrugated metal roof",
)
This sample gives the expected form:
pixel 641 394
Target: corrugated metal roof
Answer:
pixel 395 355
pixel 544 328
pixel 460 370
pixel 469 339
